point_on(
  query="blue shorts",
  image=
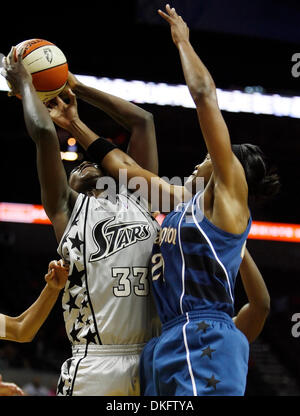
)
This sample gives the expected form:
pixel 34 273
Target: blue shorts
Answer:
pixel 197 354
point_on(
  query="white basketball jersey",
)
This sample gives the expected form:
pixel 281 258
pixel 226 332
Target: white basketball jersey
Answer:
pixel 107 298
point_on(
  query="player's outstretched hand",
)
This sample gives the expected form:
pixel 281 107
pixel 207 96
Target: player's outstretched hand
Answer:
pixel 64 114
pixel 57 275
pixel 10 389
pixel 179 29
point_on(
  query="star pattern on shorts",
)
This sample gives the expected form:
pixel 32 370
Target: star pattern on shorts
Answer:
pixel 207 351
pixel 64 387
pixel 69 362
pixel 212 382
pixel 60 386
pixel 202 327
pixel 68 391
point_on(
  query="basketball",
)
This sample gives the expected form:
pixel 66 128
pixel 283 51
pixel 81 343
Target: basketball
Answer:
pixel 47 65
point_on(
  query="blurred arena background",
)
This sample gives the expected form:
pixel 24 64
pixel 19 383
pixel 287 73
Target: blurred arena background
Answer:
pixel 248 47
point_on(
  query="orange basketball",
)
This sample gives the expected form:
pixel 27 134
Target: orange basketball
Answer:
pixel 47 65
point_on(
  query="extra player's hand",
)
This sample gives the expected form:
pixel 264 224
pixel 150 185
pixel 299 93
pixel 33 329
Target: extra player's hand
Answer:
pixel 14 71
pixel 64 114
pixel 10 389
pixel 57 275
pixel 179 29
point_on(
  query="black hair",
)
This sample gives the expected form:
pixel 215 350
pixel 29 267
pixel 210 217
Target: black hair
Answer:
pixel 262 179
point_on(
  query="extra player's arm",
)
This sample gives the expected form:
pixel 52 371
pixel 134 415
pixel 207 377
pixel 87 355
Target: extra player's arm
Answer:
pixel 251 318
pixel 23 328
pixel 57 197
pixel 142 145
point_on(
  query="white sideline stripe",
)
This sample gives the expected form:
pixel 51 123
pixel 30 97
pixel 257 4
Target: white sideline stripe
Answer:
pixel 188 355
pixel 235 101
pixel 182 257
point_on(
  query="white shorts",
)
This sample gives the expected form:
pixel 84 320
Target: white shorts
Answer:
pixel 101 370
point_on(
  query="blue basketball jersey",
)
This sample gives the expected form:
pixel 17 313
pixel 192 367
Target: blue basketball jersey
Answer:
pixel 194 263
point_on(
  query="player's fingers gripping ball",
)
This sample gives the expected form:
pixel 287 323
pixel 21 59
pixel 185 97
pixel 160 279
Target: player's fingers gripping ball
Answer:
pixel 47 65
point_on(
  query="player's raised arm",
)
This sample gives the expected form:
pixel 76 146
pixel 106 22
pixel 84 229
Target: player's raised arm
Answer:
pixel 23 328
pixel 57 196
pixel 203 91
pixel 252 316
pixel 139 122
pixel 111 158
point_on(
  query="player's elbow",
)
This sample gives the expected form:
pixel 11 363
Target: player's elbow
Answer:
pixel 264 306
pixel 21 334
pixel 145 119
pixel 267 303
pixel 203 90
pixel 267 307
pixel 42 130
pixel 56 208
pixel 24 336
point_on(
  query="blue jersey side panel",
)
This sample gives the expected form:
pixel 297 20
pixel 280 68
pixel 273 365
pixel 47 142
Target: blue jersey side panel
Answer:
pixel 194 264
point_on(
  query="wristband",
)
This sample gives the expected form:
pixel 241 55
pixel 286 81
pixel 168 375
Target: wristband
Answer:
pixel 99 149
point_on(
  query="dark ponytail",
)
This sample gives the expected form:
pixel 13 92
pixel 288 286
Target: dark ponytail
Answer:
pixel 263 181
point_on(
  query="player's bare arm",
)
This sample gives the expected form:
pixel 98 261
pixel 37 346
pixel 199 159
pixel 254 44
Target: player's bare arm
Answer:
pixel 203 92
pixel 9 389
pixel 24 327
pixel 229 179
pixel 57 197
pixel 252 316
